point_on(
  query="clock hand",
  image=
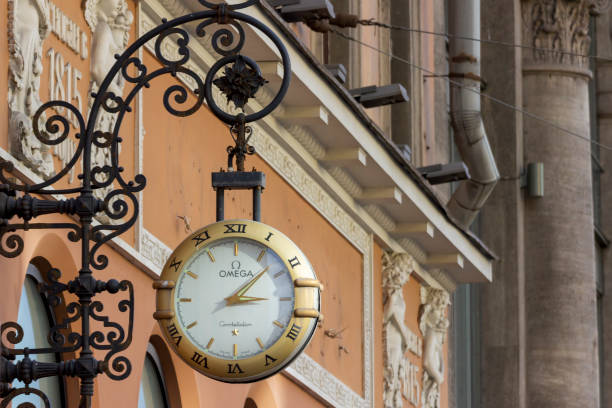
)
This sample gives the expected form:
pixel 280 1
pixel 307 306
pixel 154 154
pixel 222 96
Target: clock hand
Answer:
pixel 246 299
pixel 238 294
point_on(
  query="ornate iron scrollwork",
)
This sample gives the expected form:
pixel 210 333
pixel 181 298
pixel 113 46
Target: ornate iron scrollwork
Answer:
pixel 236 76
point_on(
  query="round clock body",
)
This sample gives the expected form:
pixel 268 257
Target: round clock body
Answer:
pixel 238 301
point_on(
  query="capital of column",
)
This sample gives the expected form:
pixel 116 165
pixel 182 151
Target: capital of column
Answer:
pixel 557 32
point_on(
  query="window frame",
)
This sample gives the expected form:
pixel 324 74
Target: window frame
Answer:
pixel 33 272
pixel 153 356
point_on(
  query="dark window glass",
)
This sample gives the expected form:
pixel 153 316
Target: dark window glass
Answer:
pixel 249 403
pixel 152 386
pixel 35 318
pixel 466 343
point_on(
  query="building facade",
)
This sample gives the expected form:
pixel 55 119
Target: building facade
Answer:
pixel 544 319
pixel 342 182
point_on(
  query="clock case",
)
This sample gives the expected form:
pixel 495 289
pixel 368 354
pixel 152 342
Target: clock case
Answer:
pixel 297 333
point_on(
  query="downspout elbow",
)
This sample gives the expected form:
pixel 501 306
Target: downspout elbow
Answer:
pixel 466 117
pixel 471 195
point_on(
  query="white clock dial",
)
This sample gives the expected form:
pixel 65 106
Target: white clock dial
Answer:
pixel 238 301
pixel 234 298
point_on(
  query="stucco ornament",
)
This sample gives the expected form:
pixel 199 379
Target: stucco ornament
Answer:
pixel 29 25
pixel 110 22
pixel 433 324
pixel 559 29
pixel 397 267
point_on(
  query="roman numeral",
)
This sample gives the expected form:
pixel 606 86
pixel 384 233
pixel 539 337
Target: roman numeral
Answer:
pixel 200 359
pixel 234 369
pixel 269 236
pixel 272 359
pixel 198 239
pixel 294 262
pixel 235 228
pixel 175 264
pixel 294 331
pixel 173 332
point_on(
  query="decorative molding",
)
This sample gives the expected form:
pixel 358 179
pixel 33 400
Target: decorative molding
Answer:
pixel 346 181
pixel 307 140
pixel 368 321
pixel 558 25
pixel 433 324
pixel 28 26
pixel 311 375
pixel 380 216
pixel 154 249
pixel 415 249
pixel 444 279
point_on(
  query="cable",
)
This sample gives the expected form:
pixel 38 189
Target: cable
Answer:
pixel 492 98
pixel 349 20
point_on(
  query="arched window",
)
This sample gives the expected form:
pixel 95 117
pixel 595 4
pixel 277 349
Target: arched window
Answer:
pixel 249 403
pixel 152 385
pixel 36 319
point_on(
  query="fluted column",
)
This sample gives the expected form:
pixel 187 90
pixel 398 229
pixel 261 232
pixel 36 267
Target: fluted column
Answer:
pixel 560 297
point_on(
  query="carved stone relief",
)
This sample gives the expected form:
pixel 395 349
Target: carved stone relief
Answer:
pixel 397 267
pixel 28 27
pixel 559 29
pixel 433 324
pixel 110 22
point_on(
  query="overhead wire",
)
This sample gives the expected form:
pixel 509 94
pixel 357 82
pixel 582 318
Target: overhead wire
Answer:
pixel 460 85
pixel 372 22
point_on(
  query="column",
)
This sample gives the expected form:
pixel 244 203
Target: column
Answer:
pixel 560 308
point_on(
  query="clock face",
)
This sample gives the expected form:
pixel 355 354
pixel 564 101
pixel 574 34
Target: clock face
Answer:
pixel 245 293
pixel 238 300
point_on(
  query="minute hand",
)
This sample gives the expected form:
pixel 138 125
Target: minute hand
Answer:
pixel 236 296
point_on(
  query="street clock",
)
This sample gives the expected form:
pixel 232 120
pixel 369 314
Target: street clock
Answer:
pixel 238 301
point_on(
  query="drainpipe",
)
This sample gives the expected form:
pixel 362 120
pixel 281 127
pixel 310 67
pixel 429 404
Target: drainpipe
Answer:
pixel 466 118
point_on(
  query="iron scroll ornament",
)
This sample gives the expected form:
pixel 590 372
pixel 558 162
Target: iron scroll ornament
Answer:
pixel 236 76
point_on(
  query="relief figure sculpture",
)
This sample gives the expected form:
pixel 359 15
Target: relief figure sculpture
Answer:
pixel 29 25
pixel 397 268
pixel 433 324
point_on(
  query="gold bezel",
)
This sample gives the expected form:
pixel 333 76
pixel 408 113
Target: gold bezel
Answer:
pixel 269 360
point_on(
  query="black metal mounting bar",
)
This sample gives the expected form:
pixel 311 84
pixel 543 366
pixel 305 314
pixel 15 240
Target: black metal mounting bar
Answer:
pixel 239 180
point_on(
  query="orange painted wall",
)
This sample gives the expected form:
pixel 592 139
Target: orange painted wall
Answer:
pixel 179 157
pixel 180 185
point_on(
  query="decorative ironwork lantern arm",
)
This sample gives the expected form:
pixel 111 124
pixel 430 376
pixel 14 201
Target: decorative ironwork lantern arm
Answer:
pixel 103 190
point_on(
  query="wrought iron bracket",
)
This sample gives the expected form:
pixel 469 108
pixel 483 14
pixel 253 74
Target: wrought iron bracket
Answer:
pixel 28 207
pixel 105 193
pixel 239 180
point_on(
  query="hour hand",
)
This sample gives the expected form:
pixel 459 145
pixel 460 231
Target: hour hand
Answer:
pixel 238 295
pixel 245 299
